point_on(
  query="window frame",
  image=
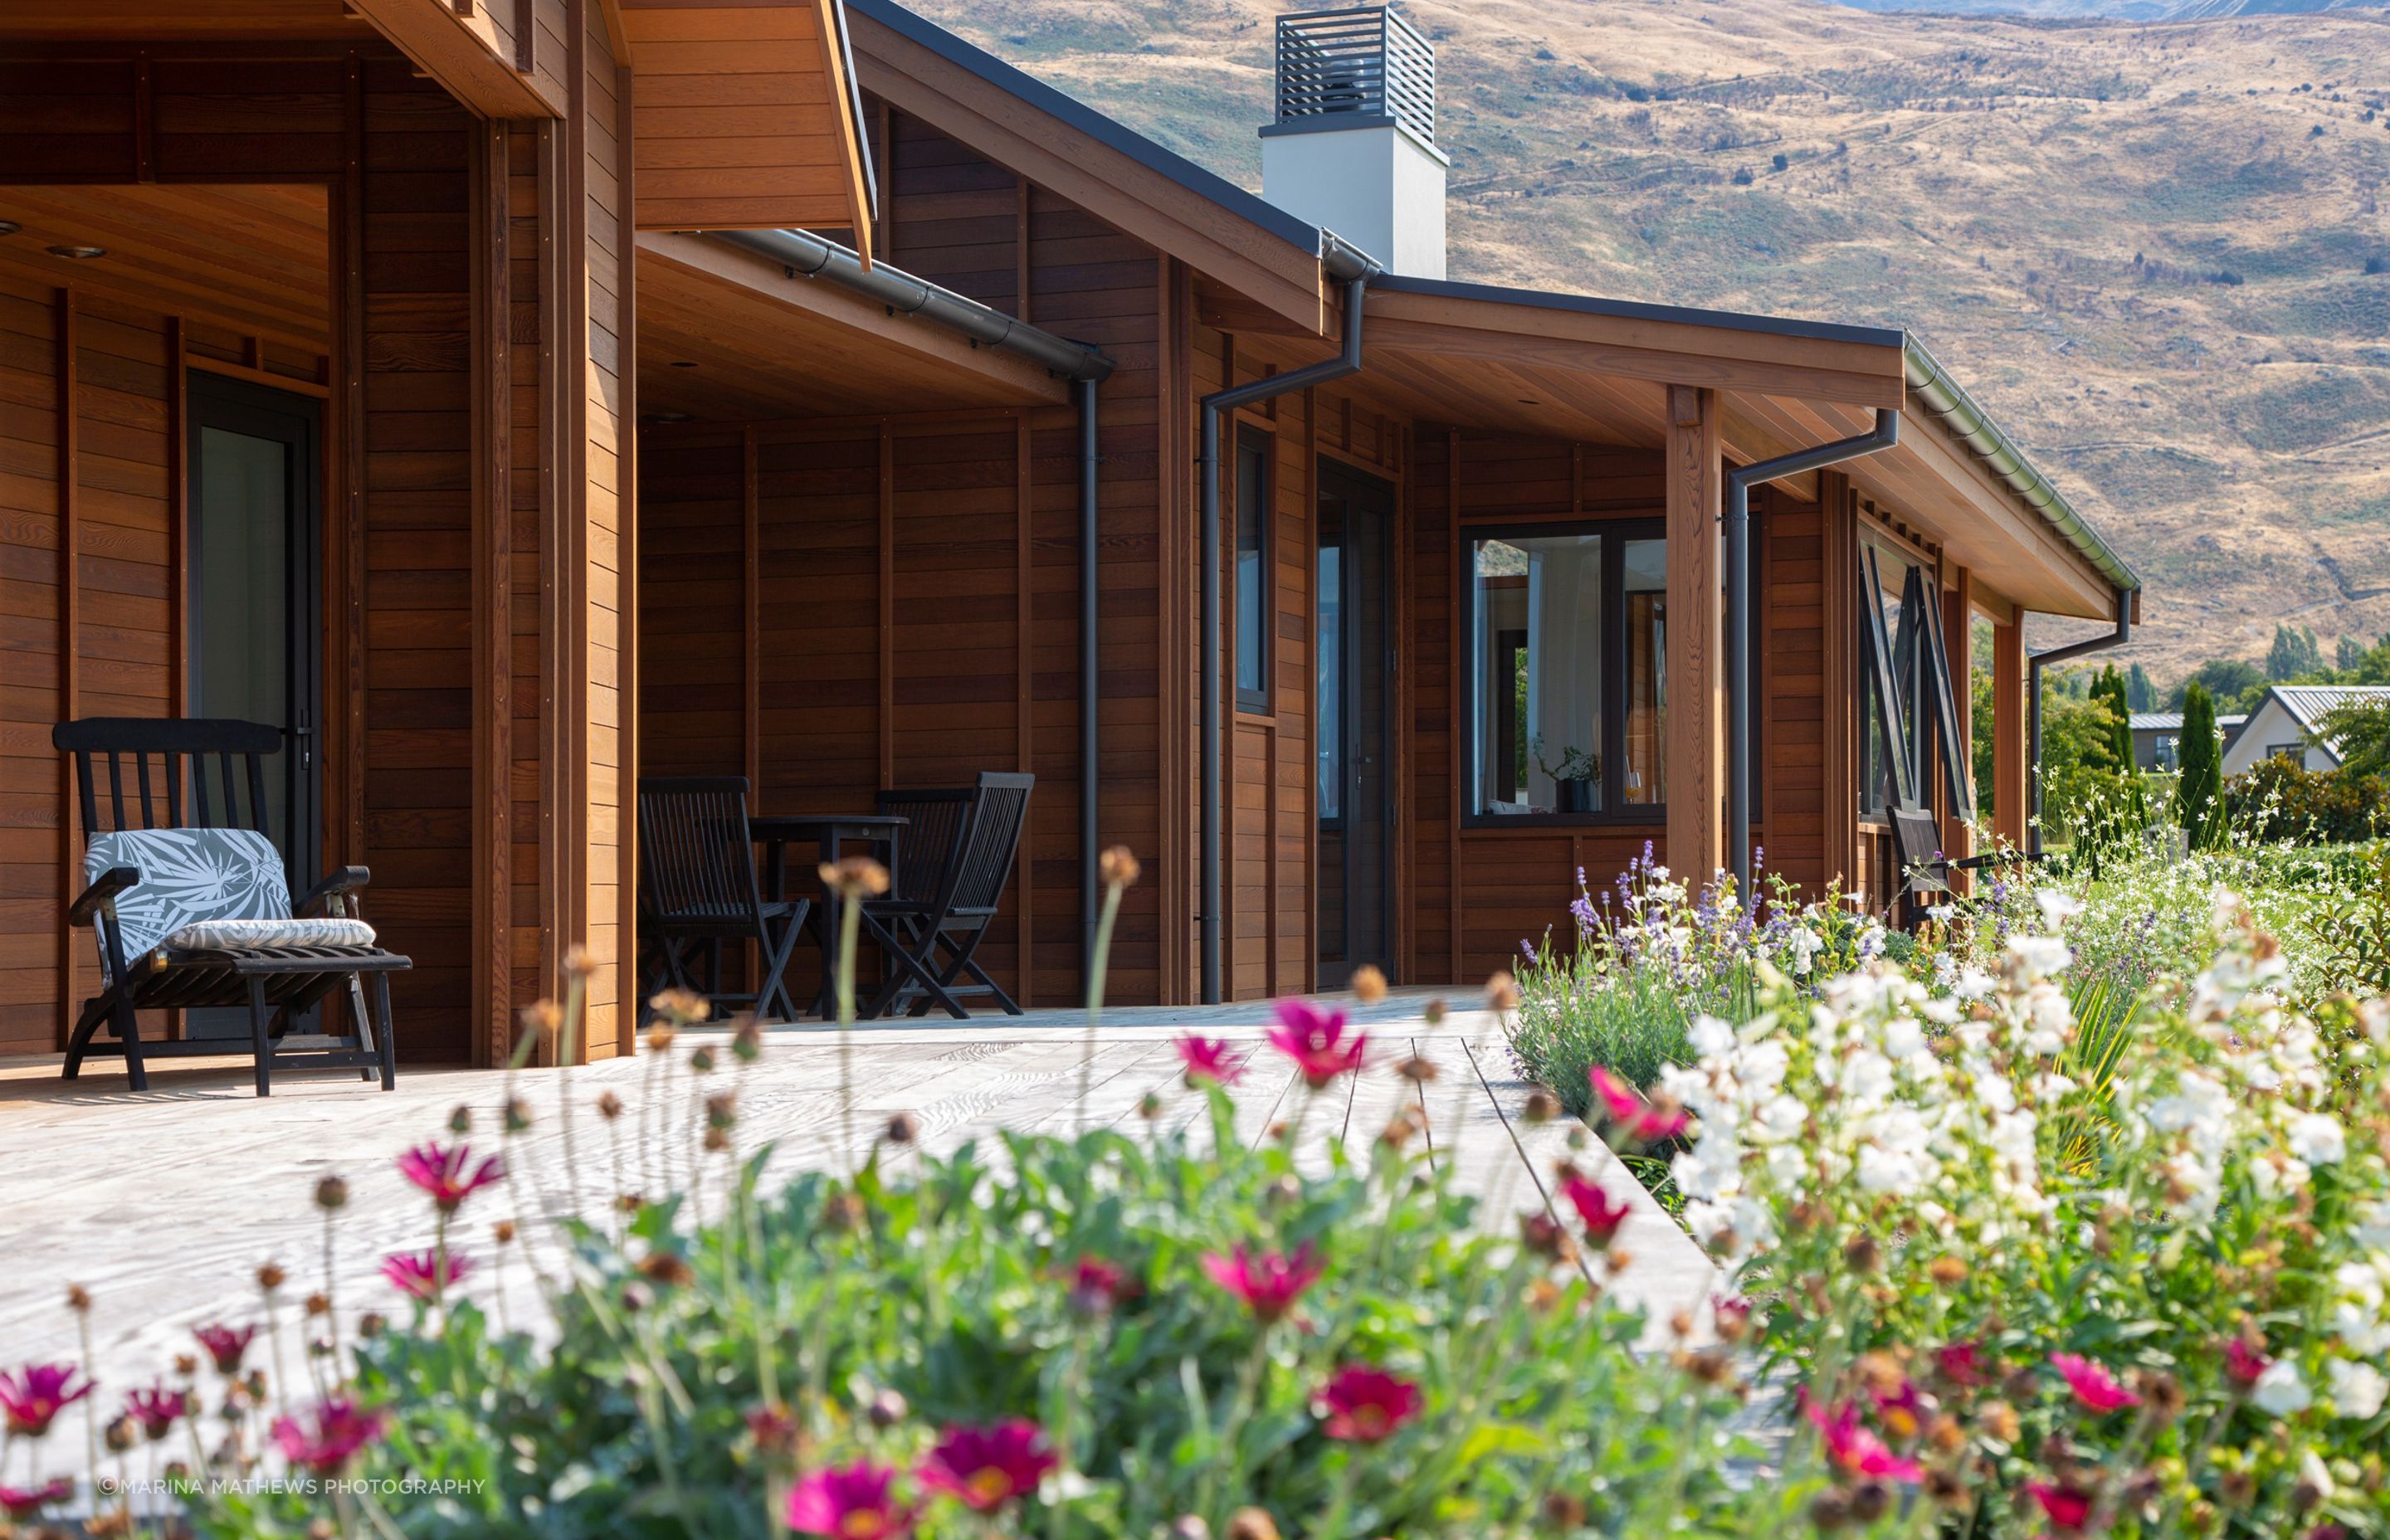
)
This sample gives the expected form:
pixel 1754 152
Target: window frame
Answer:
pixel 1261 701
pixel 1615 534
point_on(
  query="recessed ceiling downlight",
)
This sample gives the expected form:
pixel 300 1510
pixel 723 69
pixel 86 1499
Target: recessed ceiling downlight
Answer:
pixel 78 253
pixel 10 226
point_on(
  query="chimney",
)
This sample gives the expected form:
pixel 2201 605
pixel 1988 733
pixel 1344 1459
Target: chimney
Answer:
pixel 1354 147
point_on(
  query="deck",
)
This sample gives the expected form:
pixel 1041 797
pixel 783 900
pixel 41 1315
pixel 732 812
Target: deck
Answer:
pixel 164 1204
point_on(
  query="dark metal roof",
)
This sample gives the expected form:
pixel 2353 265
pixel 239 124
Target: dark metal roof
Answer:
pixel 1587 304
pixel 1105 131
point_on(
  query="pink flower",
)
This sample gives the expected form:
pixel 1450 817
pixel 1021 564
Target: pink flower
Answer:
pixel 853 1502
pixel 25 1502
pixel 1207 1059
pixel 2093 1386
pixel 989 1467
pixel 1314 1039
pixel 1366 1406
pixel 426 1274
pixel 341 1428
pixel 31 1398
pixel 1961 1364
pixel 1903 1412
pixel 226 1345
pixel 1856 1450
pixel 2243 1363
pixel 157 1409
pixel 1096 1286
pixel 1636 1118
pixel 1602 1214
pixel 441 1172
pixel 1269 1282
pixel 2067 1508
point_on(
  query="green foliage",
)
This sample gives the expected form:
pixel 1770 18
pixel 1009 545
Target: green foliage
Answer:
pixel 2202 761
pixel 2353 934
pixel 2293 654
pixel 2279 798
pixel 2142 692
pixel 2361 729
pixel 2231 680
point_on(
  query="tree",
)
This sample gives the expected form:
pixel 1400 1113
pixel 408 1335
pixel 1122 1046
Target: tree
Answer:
pixel 2362 730
pixel 2110 686
pixel 2140 690
pixel 2350 653
pixel 2202 765
pixel 2235 681
pixel 2293 654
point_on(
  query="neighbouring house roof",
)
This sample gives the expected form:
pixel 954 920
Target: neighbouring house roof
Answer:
pixel 2157 722
pixel 2309 704
pixel 1929 389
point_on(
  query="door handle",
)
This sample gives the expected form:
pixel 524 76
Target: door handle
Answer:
pixel 306 746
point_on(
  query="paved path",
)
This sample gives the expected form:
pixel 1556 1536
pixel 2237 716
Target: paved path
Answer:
pixel 163 1204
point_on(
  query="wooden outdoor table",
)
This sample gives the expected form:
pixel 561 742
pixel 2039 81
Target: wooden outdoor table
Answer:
pixel 830 833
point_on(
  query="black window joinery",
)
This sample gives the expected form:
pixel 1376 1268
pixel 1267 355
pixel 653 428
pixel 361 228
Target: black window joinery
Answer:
pixel 1252 585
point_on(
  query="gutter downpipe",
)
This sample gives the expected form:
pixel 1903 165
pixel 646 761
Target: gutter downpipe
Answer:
pixel 2035 664
pixel 1356 269
pixel 1739 482
pixel 1090 898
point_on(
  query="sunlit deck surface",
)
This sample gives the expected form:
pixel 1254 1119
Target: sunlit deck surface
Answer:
pixel 163 1204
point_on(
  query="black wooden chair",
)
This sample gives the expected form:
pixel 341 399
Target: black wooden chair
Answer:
pixel 929 927
pixel 193 910
pixel 698 889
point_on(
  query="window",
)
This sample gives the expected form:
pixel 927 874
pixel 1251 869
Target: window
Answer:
pixel 1567 631
pixel 1328 701
pixel 1252 579
pixel 1909 718
pixel 2295 751
pixel 1884 574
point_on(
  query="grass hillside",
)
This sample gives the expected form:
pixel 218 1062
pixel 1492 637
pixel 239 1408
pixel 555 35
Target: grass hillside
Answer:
pixel 2146 246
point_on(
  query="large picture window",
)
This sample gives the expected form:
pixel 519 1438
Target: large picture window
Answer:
pixel 1567 668
pixel 1253 578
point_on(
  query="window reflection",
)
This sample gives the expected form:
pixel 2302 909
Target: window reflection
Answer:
pixel 1645 583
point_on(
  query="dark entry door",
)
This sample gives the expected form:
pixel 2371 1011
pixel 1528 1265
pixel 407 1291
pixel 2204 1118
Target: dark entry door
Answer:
pixel 253 609
pixel 1355 703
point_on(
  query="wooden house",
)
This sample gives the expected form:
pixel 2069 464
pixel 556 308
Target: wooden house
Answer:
pixel 510 397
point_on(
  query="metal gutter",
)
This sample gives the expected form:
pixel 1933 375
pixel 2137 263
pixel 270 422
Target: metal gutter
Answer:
pixel 1639 310
pixel 804 254
pixel 1356 269
pixel 1739 482
pixel 1949 404
pixel 1082 393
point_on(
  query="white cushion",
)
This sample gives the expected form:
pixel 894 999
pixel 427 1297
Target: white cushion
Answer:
pixel 242 936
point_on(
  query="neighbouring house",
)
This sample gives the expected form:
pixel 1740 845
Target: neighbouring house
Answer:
pixel 2288 724
pixel 509 400
pixel 2157 740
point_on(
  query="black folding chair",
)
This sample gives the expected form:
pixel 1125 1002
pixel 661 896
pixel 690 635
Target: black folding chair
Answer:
pixel 698 888
pixel 194 915
pixel 950 914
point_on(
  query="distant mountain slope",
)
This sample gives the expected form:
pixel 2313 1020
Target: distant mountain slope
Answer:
pixel 2114 10
pixel 2145 247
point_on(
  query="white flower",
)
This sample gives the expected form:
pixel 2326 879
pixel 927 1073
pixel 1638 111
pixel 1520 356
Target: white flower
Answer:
pixel 2280 1390
pixel 2279 1175
pixel 2052 1017
pixel 2373 1227
pixel 2316 1137
pixel 1711 1037
pixel 2058 908
pixel 2042 956
pixel 2357 1389
pixel 1973 983
pixel 1804 945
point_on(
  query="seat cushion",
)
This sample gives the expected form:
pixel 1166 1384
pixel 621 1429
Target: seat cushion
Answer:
pixel 249 935
pixel 188 877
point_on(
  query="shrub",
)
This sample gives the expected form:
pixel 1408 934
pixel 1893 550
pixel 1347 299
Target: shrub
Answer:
pixel 2201 763
pixel 2279 798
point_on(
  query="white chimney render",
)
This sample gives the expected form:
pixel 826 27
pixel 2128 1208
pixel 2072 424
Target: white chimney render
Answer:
pixel 1354 147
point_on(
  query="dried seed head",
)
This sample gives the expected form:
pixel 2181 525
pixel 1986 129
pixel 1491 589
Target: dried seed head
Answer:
pixel 2000 1420
pixel 1946 1488
pixel 1252 1523
pixel 1417 1071
pixel 669 1268
pixel 1118 868
pixel 1149 1106
pixel 123 1434
pixel 888 1409
pixel 1945 1435
pixel 460 1121
pixel 1948 1271
pixel 716 1140
pixel 1190 1526
pixel 636 1297
pixel 680 1006
pixel 319 1305
pixel 747 1040
pixel 610 1105
pixel 1547 1238
pixel 660 1037
pixel 721 1109
pixel 79 1299
pixel 185 1365
pixel 843 1212
pixel 545 1017
pixel 1829 1512
pixel 2162 1392
pixel 629 1203
pixel 1618 1259
pixel 1434 1011
pixel 701 1061
pixel 1502 993
pixel 1542 1106
pixel 331 1194
pixel 503 1232
pixel 1870 1501
pixel 1282 1192
pixel 1563 1510
pixel 1862 1254
pixel 903 1129
pixel 1368 984
pixel 855 877
pixel 1400 1129
pixel 576 962
pixel 518 1115
pixel 270 1277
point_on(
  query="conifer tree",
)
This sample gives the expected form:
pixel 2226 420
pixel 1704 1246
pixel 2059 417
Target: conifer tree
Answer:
pixel 2201 766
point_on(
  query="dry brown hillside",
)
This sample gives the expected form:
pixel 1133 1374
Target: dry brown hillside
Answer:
pixel 2145 247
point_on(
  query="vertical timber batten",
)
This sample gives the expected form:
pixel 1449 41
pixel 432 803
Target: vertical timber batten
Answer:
pixel 70 570
pixel 1695 775
pixel 2011 768
pixel 493 579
